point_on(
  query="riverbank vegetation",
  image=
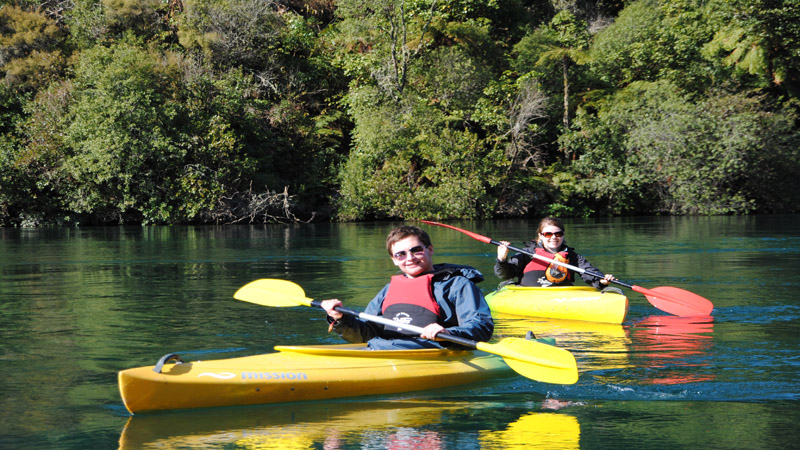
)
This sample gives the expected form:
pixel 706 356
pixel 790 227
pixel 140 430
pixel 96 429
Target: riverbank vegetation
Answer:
pixel 250 111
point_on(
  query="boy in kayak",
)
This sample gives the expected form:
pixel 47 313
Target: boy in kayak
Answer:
pixel 529 271
pixel 441 298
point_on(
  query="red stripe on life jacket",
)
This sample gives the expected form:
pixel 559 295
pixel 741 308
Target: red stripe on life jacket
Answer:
pixel 412 291
pixel 411 301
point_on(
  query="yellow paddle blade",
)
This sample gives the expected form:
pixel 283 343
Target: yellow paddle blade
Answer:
pixel 273 292
pixel 535 360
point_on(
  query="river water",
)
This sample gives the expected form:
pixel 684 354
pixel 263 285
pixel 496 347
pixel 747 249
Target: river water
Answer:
pixel 79 304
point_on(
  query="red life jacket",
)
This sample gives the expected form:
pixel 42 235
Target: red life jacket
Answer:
pixel 410 301
pixel 542 273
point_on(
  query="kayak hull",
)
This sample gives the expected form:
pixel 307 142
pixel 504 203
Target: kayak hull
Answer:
pixel 563 302
pixel 301 373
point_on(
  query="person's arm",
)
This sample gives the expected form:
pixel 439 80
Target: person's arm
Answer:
pixel 511 268
pixel 597 283
pixel 353 329
pixel 470 314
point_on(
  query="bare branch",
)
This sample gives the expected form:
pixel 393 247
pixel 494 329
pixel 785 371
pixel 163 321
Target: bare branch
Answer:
pixel 530 105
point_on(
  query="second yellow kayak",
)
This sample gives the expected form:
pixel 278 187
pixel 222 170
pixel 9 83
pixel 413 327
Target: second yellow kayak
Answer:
pixel 567 303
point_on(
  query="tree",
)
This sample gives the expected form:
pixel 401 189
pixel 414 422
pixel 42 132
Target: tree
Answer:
pixel 564 42
pixel 653 148
pixel 417 138
pixel 651 41
pixel 144 146
pixel 393 33
pixel 760 38
pixel 30 53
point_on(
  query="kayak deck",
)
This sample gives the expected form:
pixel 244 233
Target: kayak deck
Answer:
pixel 563 302
pixel 299 373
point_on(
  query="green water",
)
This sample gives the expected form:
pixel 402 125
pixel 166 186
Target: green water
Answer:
pixel 79 304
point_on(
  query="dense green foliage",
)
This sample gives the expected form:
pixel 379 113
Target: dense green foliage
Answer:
pixel 226 111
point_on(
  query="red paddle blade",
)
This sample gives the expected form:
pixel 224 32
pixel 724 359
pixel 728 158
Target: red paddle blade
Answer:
pixel 677 301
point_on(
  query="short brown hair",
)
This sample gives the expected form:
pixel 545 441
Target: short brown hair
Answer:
pixel 400 233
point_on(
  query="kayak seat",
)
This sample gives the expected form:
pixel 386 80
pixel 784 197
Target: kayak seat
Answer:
pixel 532 337
pixel 165 359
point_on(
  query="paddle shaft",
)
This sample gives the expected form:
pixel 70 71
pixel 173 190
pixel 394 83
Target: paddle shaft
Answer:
pixel 389 322
pixel 529 358
pixel 559 263
pixel 489 240
pixel 523 359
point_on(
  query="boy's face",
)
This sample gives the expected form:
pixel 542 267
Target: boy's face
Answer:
pixel 412 257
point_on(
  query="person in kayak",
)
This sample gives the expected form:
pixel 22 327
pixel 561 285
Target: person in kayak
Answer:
pixel 550 243
pixel 440 298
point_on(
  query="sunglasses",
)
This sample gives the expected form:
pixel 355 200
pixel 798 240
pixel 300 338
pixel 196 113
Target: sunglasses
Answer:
pixel 416 251
pixel 548 234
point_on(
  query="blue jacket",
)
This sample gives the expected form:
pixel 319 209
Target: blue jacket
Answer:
pixel 464 312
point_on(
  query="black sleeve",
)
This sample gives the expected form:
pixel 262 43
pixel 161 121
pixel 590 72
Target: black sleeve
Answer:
pixel 512 268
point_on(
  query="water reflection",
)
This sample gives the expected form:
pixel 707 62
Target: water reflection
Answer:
pixel 287 427
pixel 397 424
pixel 539 430
pixel 597 346
pixel 79 304
pixel 658 349
pixel 673 348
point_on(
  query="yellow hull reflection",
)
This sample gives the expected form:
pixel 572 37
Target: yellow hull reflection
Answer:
pixel 538 430
pixel 597 346
pixel 385 424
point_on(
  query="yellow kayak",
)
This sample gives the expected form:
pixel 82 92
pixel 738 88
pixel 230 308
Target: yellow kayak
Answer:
pixel 298 373
pixel 566 303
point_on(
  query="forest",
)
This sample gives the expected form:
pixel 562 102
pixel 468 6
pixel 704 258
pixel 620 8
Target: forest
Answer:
pixel 262 111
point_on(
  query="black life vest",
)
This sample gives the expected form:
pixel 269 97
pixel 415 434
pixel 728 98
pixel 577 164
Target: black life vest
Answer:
pixel 410 301
pixel 543 273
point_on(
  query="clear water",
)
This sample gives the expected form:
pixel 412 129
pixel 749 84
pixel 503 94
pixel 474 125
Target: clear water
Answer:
pixel 79 304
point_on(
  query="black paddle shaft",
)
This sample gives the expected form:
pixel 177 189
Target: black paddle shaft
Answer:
pixel 383 320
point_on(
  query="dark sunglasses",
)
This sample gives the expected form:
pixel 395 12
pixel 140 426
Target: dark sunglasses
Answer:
pixel 548 234
pixel 416 251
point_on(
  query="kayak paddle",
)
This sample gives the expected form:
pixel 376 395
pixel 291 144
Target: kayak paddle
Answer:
pixel 679 302
pixel 532 359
